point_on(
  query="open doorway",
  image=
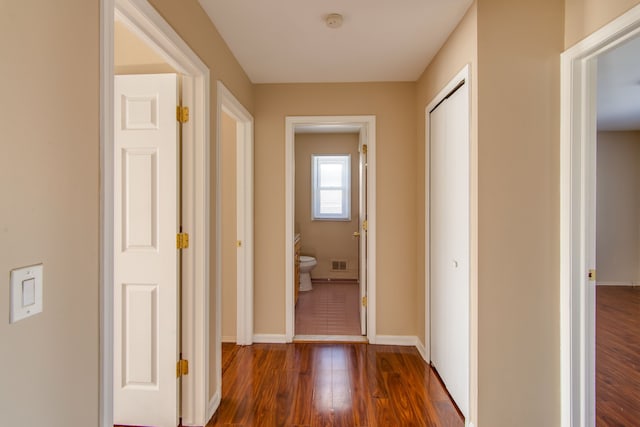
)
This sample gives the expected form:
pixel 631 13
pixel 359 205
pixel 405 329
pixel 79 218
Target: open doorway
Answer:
pixel 581 163
pixel 187 401
pixel 234 262
pixel 363 130
pixel 327 233
pixel 617 294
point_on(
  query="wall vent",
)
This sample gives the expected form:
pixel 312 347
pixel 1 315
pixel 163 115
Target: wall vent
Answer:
pixel 338 265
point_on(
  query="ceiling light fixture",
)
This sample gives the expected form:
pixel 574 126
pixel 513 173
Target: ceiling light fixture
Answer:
pixel 334 20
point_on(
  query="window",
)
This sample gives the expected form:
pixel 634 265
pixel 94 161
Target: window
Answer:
pixel 330 187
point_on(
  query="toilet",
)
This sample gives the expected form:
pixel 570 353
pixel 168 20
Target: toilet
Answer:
pixel 307 263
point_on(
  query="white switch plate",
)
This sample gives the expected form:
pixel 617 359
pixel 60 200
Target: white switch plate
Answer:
pixel 26 292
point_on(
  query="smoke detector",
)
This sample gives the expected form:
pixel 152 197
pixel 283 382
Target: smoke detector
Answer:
pixel 334 20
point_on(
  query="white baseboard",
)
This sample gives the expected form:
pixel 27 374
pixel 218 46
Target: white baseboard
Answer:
pixel 270 339
pixel 330 338
pixel 617 284
pixel 421 349
pixel 404 340
pixel 212 407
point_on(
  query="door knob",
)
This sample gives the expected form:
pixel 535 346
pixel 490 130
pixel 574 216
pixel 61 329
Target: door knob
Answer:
pixel 356 234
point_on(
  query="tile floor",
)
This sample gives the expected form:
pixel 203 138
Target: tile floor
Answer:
pixel 330 308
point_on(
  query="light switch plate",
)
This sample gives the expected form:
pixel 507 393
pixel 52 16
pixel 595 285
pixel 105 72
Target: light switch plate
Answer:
pixel 26 292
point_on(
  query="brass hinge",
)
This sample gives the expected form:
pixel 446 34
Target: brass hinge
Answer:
pixel 182 114
pixel 182 240
pixel 365 225
pixel 364 148
pixel 182 368
pixel 592 275
pixel 239 243
pixel 364 301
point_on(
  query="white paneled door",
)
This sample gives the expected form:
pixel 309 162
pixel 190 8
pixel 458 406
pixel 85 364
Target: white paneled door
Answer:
pixel 449 245
pixel 146 269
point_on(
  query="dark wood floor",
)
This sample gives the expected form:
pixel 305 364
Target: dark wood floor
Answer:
pixel 305 384
pixel 617 356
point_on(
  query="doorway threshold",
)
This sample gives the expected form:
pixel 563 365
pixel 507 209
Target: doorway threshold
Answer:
pixel 331 338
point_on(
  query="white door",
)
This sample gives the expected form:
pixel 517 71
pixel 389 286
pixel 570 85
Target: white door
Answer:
pixel 146 265
pixel 449 244
pixel 363 231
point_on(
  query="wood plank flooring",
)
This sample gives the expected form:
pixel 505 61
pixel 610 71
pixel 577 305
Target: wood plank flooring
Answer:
pixel 617 356
pixel 305 384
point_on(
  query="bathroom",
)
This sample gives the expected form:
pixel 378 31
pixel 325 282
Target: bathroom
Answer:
pixel 327 232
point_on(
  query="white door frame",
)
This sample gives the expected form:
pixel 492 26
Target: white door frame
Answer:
pixel 463 74
pixel 363 122
pixel 363 206
pixel 244 212
pixel 140 17
pixel 577 216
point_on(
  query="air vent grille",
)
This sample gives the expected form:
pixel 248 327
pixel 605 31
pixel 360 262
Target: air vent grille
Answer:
pixel 338 265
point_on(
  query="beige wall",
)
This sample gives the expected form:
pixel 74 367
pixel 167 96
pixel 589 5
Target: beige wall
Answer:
pixel 49 169
pixel 229 228
pixel 519 46
pixel 190 21
pixel 459 50
pixel 132 56
pixel 618 208
pixel 392 103
pixel 583 17
pixel 327 240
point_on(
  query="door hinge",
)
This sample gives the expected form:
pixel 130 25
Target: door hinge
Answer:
pixel 182 114
pixel 182 240
pixel 365 225
pixel 182 368
pixel 592 275
pixel 364 148
pixel 364 301
pixel 239 243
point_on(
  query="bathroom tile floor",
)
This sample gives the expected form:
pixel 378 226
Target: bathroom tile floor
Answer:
pixel 330 308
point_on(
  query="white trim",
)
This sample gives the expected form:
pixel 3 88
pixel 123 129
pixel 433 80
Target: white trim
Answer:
pixel 361 122
pixel 400 340
pixel 617 284
pixel 213 405
pixel 463 74
pixel 577 217
pixel 270 339
pixel 422 350
pixel 145 21
pixel 228 103
pixel 330 338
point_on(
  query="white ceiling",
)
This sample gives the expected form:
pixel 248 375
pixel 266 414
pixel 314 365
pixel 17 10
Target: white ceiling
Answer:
pixel 619 87
pixel 287 41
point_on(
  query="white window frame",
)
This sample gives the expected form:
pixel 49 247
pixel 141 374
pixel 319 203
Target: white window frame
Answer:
pixel 345 160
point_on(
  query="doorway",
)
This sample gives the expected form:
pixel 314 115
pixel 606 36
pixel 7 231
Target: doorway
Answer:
pixel 142 19
pixel 578 202
pixel 328 232
pixel 364 126
pixel 449 247
pixel 234 262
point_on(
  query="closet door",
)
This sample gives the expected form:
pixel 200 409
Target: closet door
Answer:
pixel 449 243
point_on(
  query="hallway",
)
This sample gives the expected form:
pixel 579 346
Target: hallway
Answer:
pixel 330 385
